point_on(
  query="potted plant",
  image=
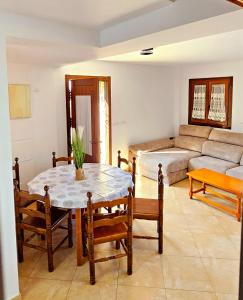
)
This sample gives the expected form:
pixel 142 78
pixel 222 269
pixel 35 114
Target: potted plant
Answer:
pixel 78 152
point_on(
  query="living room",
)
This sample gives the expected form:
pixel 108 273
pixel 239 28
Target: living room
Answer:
pixel 149 101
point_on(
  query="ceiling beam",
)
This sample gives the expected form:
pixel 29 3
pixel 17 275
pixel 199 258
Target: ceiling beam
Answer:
pixel 237 2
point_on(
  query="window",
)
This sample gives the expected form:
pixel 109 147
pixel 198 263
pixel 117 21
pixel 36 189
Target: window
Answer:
pixel 210 101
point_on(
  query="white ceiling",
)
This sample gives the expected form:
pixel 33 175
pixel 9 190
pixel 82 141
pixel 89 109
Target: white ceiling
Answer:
pixel 221 47
pixel 86 13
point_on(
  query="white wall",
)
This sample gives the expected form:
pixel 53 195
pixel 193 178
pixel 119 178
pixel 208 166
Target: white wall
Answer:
pixel 142 109
pixel 34 139
pixel 142 101
pixel 9 287
pixel 234 69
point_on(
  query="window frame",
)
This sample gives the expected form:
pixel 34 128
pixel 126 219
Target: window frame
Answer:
pixel 228 82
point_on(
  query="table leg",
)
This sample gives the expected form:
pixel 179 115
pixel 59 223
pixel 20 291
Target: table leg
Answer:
pixel 204 187
pixel 238 212
pixel 79 236
pixel 190 186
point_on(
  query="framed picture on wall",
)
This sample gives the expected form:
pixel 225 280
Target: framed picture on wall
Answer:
pixel 19 101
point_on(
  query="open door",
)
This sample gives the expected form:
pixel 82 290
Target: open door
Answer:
pixel 88 106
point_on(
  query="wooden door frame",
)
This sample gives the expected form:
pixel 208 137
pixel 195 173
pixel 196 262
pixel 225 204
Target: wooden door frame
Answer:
pixel 107 79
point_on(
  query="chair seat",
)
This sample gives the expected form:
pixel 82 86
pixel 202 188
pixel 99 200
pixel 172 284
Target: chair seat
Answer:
pixel 106 234
pixel 56 216
pixel 145 209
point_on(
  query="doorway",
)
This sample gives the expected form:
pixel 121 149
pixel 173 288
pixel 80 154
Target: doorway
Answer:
pixel 88 105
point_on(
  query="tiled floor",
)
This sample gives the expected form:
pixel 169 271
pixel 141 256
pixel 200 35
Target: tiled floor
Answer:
pixel 200 260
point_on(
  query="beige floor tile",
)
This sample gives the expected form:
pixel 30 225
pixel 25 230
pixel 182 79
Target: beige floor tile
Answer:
pixel 194 207
pixel 175 222
pixel 31 258
pixel 215 245
pixel 186 273
pixel 65 265
pixel 229 224
pixel 227 297
pixel 141 293
pixel 99 291
pixel 180 243
pixel 171 206
pixel 22 282
pixel 145 227
pixel 189 295
pixel 147 270
pixel 105 271
pixel 205 223
pixel 44 289
pixel 223 274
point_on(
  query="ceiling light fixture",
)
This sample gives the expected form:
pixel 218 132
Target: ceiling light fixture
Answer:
pixel 147 51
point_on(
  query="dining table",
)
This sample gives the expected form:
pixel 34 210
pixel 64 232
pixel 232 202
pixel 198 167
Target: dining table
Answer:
pixel 105 182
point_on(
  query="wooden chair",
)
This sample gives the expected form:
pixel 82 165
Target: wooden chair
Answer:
pixel 151 209
pixel 62 158
pixel 133 170
pixel 43 222
pixel 111 227
pixel 15 168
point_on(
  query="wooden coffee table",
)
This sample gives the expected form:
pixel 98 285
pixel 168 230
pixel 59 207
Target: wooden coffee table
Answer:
pixel 220 181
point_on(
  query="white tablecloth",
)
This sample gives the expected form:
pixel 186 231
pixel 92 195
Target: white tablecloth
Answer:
pixel 104 181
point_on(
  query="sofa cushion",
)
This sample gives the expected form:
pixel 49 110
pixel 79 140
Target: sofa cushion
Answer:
pixel 172 160
pixel 236 172
pixel 189 142
pixel 224 151
pixel 194 130
pixel 226 136
pixel 138 149
pixel 210 163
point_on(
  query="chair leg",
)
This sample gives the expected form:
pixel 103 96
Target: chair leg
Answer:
pixel 20 237
pixel 160 240
pixel 129 256
pixel 49 250
pixel 84 237
pixel 118 245
pixel 70 230
pixel 91 264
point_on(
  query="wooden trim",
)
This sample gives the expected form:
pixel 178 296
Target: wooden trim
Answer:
pixel 237 2
pixel 208 82
pixel 18 297
pixel 107 79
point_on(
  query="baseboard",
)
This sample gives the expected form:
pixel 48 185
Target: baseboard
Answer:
pixel 17 297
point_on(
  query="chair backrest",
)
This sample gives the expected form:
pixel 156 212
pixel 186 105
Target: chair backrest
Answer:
pixel 121 160
pixel 55 159
pixel 160 187
pixel 120 216
pixel 44 201
pixel 15 168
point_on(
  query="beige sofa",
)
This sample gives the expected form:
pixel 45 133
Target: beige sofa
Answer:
pixel 195 147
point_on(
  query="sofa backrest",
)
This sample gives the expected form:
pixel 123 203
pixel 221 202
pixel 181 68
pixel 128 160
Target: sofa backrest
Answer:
pixel 225 145
pixel 225 136
pixel 192 137
pixel 194 130
pixel 223 151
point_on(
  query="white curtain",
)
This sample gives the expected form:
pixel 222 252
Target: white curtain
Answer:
pixel 217 103
pixel 198 111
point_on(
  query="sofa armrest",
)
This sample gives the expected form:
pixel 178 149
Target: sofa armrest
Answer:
pixel 137 149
